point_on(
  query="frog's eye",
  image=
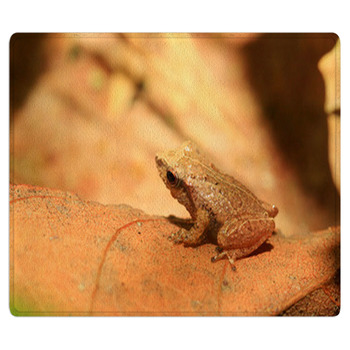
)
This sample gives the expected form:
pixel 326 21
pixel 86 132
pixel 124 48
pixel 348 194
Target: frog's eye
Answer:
pixel 172 178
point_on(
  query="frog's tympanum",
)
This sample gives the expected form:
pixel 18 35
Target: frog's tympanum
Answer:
pixel 220 206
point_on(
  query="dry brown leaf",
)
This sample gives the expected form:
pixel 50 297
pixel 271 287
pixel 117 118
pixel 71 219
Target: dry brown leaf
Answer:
pixel 72 257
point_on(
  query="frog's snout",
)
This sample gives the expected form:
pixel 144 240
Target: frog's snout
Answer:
pixel 159 161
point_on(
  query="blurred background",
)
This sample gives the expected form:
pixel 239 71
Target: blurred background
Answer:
pixel 90 111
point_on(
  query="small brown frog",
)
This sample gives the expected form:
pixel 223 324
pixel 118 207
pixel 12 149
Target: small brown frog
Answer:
pixel 219 205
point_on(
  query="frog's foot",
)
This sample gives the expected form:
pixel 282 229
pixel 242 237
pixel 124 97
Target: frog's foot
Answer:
pixel 190 238
pixel 221 254
pixel 179 236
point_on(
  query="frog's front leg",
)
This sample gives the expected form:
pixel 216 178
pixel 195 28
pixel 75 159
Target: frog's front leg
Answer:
pixel 195 235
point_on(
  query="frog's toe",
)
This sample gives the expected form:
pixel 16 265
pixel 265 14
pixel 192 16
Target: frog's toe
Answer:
pixel 213 259
pixel 177 240
pixel 224 253
pixel 218 256
pixel 177 237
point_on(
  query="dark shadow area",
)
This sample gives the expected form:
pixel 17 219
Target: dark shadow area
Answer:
pixel 26 64
pixel 181 223
pixel 283 71
pixel 265 247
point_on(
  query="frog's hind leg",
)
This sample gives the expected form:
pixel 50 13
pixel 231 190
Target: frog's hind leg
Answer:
pixel 222 253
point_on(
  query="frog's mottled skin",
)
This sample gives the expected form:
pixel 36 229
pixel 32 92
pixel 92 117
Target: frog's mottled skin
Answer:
pixel 217 202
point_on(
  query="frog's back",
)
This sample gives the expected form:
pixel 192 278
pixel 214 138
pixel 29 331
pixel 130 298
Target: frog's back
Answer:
pixel 225 196
pixel 245 201
pixel 208 187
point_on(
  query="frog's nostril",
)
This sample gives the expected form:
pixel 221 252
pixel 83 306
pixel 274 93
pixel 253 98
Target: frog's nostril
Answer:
pixel 159 161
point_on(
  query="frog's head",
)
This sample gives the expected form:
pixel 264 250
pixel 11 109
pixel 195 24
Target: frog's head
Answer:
pixel 175 165
pixel 176 168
